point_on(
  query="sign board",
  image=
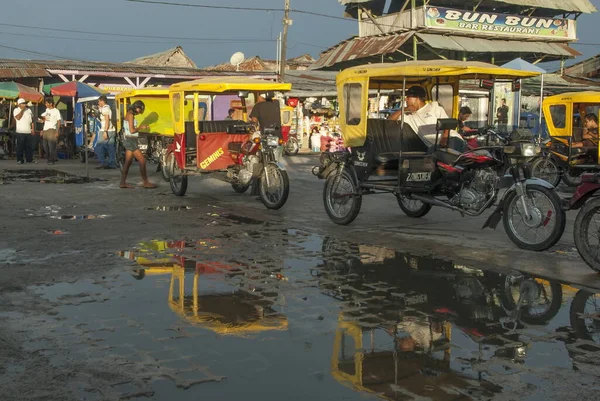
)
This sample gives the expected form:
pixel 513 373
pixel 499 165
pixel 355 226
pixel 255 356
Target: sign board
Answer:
pixel 494 24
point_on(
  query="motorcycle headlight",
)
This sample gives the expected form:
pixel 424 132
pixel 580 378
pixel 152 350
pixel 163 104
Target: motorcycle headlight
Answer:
pixel 528 149
pixel 272 141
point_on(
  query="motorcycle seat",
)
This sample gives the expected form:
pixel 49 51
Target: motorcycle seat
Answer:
pixel 447 155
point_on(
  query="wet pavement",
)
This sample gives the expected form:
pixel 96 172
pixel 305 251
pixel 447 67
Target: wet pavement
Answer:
pixel 211 296
pixel 322 319
pixel 43 176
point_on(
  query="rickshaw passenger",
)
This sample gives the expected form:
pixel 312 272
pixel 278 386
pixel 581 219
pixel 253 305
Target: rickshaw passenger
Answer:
pixel 590 130
pixel 422 118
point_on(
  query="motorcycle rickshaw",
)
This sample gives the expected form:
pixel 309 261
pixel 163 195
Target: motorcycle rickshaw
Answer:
pixel 291 145
pixel 157 115
pixel 230 150
pixel 390 157
pixel 572 123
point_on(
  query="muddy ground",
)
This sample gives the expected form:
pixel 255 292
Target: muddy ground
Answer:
pixel 110 294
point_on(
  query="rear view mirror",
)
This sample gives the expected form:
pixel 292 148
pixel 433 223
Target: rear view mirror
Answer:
pixel 243 94
pixel 444 124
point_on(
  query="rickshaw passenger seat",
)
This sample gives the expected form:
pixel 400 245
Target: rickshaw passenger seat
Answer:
pixel 190 136
pixel 387 141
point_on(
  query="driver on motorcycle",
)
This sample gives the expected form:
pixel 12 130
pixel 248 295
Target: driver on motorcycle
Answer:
pixel 267 114
pixel 422 118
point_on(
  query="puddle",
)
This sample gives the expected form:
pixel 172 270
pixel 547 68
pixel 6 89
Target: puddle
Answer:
pixel 241 219
pixel 45 176
pixel 170 208
pixel 331 319
pixel 80 217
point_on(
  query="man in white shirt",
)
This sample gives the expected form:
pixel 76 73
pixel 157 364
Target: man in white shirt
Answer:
pixel 106 136
pixel 25 130
pixel 423 118
pixel 52 121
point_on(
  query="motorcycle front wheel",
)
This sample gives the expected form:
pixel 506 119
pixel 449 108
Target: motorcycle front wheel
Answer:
pixel 545 224
pixel 587 233
pixel 291 148
pixel 546 169
pixel 177 179
pixel 274 191
pixel 342 197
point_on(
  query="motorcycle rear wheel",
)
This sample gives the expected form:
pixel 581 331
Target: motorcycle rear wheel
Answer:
pixel 571 180
pixel 352 198
pixel 513 206
pixel 546 169
pixel 585 224
pixel 413 208
pixel 239 188
pixel 274 196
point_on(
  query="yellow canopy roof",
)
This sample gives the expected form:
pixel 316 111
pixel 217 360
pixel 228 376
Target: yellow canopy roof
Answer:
pixel 583 97
pixel 143 92
pixel 229 84
pixel 431 69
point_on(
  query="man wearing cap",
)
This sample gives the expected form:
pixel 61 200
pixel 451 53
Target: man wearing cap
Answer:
pixel 106 140
pixel 52 119
pixel 25 130
pixel 422 118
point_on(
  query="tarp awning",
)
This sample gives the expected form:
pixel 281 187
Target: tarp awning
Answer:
pixel 478 45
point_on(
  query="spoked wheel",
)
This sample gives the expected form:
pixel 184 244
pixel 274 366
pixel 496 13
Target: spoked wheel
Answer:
pixel 538 301
pixel 274 186
pixel 584 315
pixel 546 169
pixel 165 168
pixel 546 221
pixel 239 188
pixel 120 154
pixel 587 233
pixel 342 197
pixel 177 178
pixel 291 147
pixel 412 207
pixel 570 179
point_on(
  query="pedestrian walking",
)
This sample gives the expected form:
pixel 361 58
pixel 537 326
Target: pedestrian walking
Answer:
pixel 106 139
pixel 25 130
pixel 52 121
pixel 130 142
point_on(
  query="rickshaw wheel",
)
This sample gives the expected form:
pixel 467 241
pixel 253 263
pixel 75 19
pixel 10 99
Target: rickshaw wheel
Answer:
pixel 177 179
pixel 413 208
pixel 571 180
pixel 586 233
pixel 546 169
pixel 165 169
pixel 351 200
pixel 120 154
pixel 275 196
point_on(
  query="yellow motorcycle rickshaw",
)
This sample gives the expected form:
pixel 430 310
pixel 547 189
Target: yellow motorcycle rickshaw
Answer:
pixel 428 164
pixel 157 115
pixel 572 120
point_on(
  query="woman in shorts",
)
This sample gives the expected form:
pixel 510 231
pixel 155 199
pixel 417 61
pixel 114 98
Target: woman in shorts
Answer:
pixel 130 142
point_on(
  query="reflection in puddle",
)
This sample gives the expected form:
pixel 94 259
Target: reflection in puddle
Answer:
pixel 169 208
pixel 388 324
pixel 42 176
pixel 80 217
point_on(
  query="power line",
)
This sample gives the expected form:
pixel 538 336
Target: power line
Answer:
pixel 38 53
pixel 121 34
pixel 219 40
pixel 239 8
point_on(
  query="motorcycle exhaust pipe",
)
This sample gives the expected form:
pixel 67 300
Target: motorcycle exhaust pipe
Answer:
pixel 435 202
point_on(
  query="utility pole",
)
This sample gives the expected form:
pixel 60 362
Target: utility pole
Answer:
pixel 286 23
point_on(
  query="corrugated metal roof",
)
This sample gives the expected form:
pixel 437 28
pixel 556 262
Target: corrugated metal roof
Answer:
pixel 174 57
pixel 100 68
pixel 19 70
pixel 582 6
pixel 477 45
pixel 358 48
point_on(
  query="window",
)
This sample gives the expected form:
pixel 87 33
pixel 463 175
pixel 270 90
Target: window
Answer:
pixel 353 98
pixel 177 106
pixel 558 113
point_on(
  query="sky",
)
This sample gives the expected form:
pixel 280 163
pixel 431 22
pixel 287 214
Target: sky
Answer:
pixel 120 30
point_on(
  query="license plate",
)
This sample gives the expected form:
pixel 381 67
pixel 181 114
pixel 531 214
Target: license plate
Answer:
pixel 423 176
